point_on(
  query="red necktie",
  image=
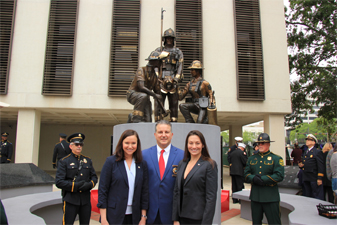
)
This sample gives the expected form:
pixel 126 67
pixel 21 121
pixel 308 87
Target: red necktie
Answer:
pixel 161 164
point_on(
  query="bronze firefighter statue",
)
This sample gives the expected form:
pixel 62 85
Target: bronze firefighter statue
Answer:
pixel 170 73
pixel 144 85
pixel 203 101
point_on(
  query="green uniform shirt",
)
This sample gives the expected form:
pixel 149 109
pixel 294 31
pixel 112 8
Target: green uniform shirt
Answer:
pixel 271 169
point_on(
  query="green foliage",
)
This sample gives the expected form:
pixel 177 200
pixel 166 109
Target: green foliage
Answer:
pixel 315 128
pixel 225 136
pixel 312 32
pixel 249 137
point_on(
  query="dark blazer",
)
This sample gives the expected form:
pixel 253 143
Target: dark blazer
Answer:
pixel 113 190
pixel 61 150
pixel 238 162
pixel 313 168
pixel 161 190
pixel 200 192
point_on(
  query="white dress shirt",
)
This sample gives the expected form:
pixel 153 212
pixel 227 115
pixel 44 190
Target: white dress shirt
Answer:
pixel 131 173
pixel 166 154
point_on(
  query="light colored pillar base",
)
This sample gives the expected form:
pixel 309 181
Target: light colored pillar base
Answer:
pixel 28 136
pixel 234 131
pixel 274 127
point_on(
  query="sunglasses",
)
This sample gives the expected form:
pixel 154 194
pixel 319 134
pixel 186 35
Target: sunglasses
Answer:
pixel 78 144
pixel 262 143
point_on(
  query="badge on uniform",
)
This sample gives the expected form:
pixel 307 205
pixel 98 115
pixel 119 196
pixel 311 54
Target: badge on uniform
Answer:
pixel 310 156
pixel 174 170
pixel 85 160
pixel 72 164
pixel 281 162
pixel 269 158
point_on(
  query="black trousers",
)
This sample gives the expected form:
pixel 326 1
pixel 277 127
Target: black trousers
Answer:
pixel 128 219
pixel 313 190
pixel 70 212
pixel 270 209
pixel 237 185
pixel 183 221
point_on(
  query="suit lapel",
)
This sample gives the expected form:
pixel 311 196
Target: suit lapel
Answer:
pixel 138 171
pixel 180 173
pixel 172 156
pixel 194 169
pixel 122 169
pixel 154 158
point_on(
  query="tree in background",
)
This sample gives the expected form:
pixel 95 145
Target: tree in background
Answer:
pixel 225 137
pixel 312 32
pixel 300 132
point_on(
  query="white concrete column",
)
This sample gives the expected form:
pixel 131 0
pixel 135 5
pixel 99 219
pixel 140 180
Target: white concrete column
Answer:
pixel 274 127
pixel 28 136
pixel 234 131
pixel 150 24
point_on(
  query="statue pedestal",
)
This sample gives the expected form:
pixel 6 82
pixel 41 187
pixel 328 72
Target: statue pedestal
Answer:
pixel 180 130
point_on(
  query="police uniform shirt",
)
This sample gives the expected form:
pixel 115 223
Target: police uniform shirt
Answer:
pixel 6 151
pixel 271 168
pixel 313 168
pixel 67 169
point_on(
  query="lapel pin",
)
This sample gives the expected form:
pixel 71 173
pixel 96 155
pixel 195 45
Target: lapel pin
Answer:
pixel 198 164
pixel 138 167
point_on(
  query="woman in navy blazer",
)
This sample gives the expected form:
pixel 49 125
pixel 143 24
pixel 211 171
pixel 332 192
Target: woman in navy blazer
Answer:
pixel 123 188
pixel 196 184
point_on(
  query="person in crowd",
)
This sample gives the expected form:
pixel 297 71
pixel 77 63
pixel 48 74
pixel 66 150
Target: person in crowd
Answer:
pixel 202 96
pixel 296 154
pixel 123 193
pixel 162 160
pixel 312 166
pixel 195 190
pixel 233 148
pixel 239 160
pixel 6 149
pixel 256 148
pixel 76 176
pixel 61 149
pixel 264 170
pixel 333 164
pixel 328 193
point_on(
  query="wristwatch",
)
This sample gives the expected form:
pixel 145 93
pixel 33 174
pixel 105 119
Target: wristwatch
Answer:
pixel 144 216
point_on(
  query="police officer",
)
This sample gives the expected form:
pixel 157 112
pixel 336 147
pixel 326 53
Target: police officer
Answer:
pixel 76 176
pixel 172 73
pixel 312 166
pixel 233 148
pixel 264 170
pixel 237 166
pixel 144 85
pixel 61 149
pixel 6 149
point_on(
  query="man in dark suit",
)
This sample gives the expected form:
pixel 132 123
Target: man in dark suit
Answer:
pixel 61 149
pixel 239 160
pixel 233 148
pixel 312 166
pixel 161 181
pixel 6 149
pixel 264 170
pixel 76 176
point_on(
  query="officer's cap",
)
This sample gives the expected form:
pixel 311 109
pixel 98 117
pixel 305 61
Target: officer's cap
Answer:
pixel 238 139
pixel 76 138
pixel 263 138
pixel 196 64
pixel 311 137
pixel 62 135
pixel 242 145
pixel 5 134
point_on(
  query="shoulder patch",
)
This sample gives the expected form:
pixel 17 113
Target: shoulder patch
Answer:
pixel 281 162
